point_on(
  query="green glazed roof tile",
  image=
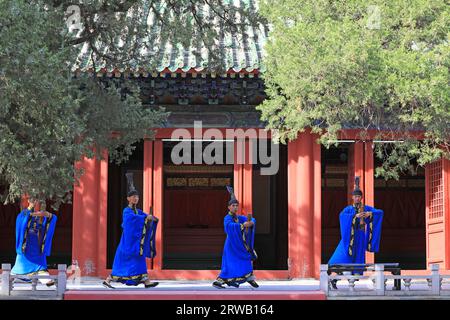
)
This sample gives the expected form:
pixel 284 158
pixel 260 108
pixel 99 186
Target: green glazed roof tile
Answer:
pixel 240 51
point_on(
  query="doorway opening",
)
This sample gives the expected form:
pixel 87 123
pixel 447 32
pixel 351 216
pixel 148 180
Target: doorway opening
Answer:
pixel 195 202
pixel 334 195
pixel 117 195
pixel 270 209
pixel 403 237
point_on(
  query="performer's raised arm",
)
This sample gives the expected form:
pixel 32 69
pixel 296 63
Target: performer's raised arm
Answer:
pixel 34 235
pixel 374 219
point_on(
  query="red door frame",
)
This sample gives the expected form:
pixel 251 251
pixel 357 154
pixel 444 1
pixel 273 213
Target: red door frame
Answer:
pixel 446 167
pixel 243 174
pixel 147 194
pixel 437 226
pixel 304 207
pixel 361 163
pixel 90 213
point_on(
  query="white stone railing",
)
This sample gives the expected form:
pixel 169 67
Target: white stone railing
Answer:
pixel 8 282
pixel 433 284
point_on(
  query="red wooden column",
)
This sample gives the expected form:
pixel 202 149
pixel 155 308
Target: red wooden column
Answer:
pixel 158 201
pixel 147 200
pixel 302 220
pixel 102 213
pixel 355 167
pixel 243 175
pixel 369 185
pixel 369 177
pixel 317 206
pixel 247 175
pixel 238 177
pixel 90 217
pixel 306 203
pixel 446 164
pixel 361 163
pixel 147 195
pixel 293 214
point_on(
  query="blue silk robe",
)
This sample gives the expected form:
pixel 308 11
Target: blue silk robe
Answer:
pixel 136 244
pixel 238 251
pixel 361 242
pixel 33 242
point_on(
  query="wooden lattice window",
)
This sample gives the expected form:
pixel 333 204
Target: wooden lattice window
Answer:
pixel 436 190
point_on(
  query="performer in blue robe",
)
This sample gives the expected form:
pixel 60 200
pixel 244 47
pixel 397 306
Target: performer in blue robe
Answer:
pixel 238 252
pixel 360 232
pixel 34 234
pixel 136 244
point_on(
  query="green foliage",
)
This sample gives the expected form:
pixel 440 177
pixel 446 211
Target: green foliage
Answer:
pixel 381 65
pixel 125 34
pixel 50 118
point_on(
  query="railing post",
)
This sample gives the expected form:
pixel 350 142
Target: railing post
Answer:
pixel 34 282
pixel 435 280
pixel 351 284
pixel 407 282
pixel 62 280
pixel 324 279
pixel 6 284
pixel 379 280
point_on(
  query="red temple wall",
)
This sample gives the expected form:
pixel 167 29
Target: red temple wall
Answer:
pixel 304 207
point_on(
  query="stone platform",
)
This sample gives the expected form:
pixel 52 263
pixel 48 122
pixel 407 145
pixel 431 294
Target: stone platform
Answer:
pixel 196 290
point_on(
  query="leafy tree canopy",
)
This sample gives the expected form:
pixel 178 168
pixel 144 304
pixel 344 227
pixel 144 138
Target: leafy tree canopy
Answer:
pixel 50 118
pixel 381 65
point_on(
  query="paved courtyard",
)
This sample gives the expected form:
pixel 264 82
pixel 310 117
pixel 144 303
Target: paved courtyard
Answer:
pixel 304 289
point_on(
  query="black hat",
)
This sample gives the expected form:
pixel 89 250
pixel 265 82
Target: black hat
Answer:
pixel 131 189
pixel 233 199
pixel 357 191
